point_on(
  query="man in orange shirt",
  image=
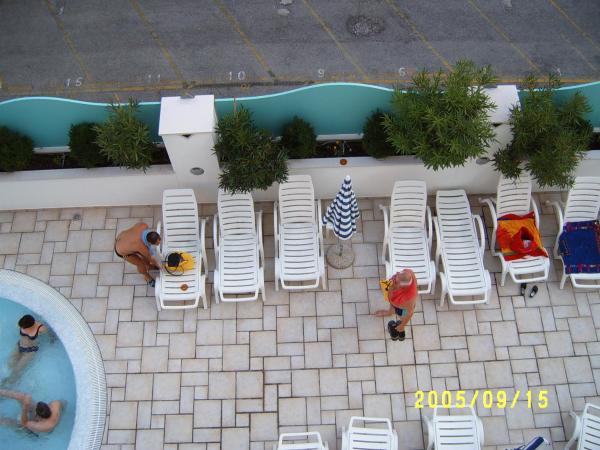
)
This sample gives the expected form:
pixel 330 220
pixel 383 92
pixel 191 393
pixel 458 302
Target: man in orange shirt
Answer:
pixel 403 300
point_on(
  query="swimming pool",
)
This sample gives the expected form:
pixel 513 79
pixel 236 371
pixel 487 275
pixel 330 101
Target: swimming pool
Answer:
pixel 69 369
pixel 48 377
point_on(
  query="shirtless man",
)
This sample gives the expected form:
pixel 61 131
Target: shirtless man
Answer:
pixel 41 418
pixel 136 246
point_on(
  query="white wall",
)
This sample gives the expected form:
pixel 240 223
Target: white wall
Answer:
pixel 115 187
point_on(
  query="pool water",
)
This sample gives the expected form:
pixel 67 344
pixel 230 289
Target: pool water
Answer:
pixel 48 377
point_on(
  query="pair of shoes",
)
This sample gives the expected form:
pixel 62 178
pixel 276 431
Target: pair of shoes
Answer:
pixel 152 283
pixel 532 292
pixel 394 334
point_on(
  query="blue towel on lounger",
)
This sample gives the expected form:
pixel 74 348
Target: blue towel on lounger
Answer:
pixel 579 246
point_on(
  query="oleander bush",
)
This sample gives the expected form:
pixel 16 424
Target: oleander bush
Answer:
pixel 549 138
pixel 124 139
pixel 249 157
pixel 443 117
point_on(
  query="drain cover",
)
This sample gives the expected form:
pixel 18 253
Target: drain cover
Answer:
pixel 364 26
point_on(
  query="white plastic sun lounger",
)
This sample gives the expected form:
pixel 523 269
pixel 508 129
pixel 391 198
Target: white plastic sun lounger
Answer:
pixel 587 428
pixel 181 231
pixel 445 432
pixel 583 204
pixel 301 441
pixel 239 254
pixel 358 438
pixel 408 234
pixel 514 197
pixel 463 273
pixel 299 256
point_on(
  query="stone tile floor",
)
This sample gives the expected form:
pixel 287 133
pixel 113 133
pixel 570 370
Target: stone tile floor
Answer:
pixel 236 375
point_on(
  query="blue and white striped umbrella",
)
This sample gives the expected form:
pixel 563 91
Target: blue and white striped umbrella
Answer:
pixel 341 215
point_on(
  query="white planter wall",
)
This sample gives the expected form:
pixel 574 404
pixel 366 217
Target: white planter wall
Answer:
pixel 187 127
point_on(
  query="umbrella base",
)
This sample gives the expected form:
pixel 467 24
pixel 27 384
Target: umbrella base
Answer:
pixel 340 260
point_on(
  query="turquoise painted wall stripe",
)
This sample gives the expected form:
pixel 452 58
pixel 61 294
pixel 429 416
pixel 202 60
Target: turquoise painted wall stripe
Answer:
pixel 47 120
pixel 334 108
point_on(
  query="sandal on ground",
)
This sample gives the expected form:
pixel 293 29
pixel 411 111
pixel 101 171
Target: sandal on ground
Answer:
pixel 152 282
pixel 523 289
pixel 534 290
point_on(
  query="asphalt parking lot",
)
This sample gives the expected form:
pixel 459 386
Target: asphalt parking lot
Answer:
pixel 107 49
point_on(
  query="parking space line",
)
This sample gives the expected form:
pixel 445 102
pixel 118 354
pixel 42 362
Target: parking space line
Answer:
pixel 504 36
pixel 417 33
pixel 581 55
pixel 165 51
pixel 257 55
pixel 574 24
pixel 339 45
pixel 68 40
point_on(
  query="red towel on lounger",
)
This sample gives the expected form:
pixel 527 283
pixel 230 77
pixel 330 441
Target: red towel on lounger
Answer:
pixel 518 237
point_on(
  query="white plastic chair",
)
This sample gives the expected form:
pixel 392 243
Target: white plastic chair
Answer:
pixel 464 432
pixel 239 254
pixel 587 428
pixel 514 197
pixel 358 438
pixel 298 234
pixel 301 441
pixel 408 234
pixel 181 230
pixel 463 273
pixel 583 204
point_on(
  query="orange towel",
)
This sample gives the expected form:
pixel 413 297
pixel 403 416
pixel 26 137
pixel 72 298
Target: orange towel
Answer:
pixel 518 237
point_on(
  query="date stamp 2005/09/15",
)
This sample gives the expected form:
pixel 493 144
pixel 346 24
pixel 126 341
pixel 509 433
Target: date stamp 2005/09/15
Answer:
pixel 489 399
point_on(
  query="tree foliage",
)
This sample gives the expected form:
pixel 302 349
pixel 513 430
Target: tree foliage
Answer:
pixel 374 139
pixel 124 139
pixel 83 146
pixel 16 150
pixel 443 118
pixel 249 157
pixel 549 138
pixel 299 139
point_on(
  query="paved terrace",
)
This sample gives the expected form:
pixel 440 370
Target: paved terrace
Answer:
pixel 236 375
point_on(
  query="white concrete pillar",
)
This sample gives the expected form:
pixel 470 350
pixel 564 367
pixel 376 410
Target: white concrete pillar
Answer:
pixel 504 97
pixel 187 126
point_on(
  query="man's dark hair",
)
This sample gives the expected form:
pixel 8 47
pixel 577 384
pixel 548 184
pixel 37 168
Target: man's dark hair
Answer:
pixel 26 321
pixel 43 410
pixel 153 237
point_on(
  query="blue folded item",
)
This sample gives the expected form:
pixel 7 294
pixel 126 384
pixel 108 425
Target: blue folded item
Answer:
pixel 579 246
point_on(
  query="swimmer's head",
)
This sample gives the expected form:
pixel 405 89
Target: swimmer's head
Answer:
pixel 26 321
pixel 43 410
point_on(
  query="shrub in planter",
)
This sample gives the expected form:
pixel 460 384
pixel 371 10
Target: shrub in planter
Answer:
pixel 84 149
pixel 299 139
pixel 549 139
pixel 16 150
pixel 443 118
pixel 249 157
pixel 374 139
pixel 124 139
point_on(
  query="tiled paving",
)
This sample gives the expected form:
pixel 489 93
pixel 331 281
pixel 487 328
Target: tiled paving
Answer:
pixel 236 375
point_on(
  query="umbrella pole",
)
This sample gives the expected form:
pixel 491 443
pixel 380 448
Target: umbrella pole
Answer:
pixel 341 247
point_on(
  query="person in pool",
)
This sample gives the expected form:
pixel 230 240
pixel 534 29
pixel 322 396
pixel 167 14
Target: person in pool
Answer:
pixel 136 245
pixel 29 331
pixel 39 417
